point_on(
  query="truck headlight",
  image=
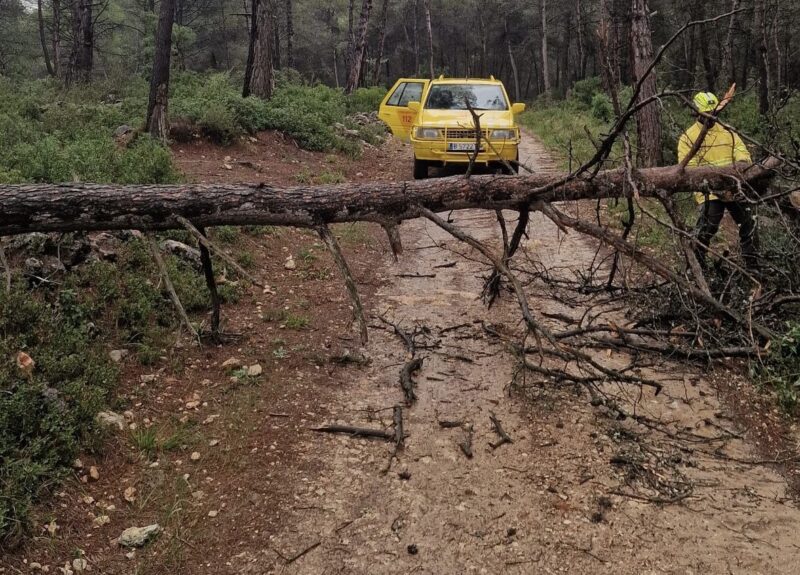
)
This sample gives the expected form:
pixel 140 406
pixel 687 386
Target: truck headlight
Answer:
pixel 428 134
pixel 504 135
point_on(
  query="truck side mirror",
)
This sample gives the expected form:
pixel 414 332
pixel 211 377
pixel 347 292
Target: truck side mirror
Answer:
pixel 413 106
pixel 517 108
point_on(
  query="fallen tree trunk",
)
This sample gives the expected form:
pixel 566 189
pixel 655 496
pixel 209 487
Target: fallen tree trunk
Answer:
pixel 87 207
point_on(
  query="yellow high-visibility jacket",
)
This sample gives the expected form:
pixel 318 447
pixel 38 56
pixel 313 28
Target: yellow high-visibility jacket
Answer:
pixel 721 147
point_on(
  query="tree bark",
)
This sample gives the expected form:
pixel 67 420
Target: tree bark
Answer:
pixel 81 58
pixel 430 37
pixel 351 36
pixel 728 61
pixel 73 207
pixel 260 81
pixel 354 74
pixel 56 39
pixel 376 76
pixel 43 39
pixel 248 68
pixel 289 34
pixel 158 105
pixel 762 65
pixel 511 60
pixel 545 52
pixel 648 122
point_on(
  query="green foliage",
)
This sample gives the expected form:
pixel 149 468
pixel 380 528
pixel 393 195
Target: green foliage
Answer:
pixel 306 113
pixel 45 417
pixel 602 108
pixel 584 92
pixel 47 135
pixel 365 100
pixel 562 127
pixel 781 370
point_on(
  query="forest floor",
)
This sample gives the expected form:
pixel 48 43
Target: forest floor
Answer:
pixel 251 489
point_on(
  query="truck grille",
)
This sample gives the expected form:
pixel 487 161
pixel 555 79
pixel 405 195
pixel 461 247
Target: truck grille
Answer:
pixel 464 134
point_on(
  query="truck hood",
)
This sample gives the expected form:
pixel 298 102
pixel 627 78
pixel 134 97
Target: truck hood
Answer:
pixel 463 119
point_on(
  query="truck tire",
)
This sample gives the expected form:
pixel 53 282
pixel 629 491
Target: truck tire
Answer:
pixel 420 169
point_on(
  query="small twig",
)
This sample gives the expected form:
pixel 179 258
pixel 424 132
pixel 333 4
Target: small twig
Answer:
pixel 395 242
pixel 356 431
pixel 308 549
pixel 336 251
pixel 407 382
pixel 162 268
pixel 204 241
pixel 498 428
pixel 446 424
pixel 399 433
pixel 466 445
pixel 211 283
pixel 415 275
pixel 7 268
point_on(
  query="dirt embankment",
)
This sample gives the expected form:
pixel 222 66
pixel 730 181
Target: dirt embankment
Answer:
pixel 267 495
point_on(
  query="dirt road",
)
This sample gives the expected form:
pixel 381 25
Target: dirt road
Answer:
pixel 542 504
pixel 271 496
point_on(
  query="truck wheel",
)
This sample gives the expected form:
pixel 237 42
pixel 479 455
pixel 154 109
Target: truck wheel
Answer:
pixel 420 169
pixel 514 166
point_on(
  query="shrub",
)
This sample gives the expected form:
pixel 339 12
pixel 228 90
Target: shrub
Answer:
pixel 602 108
pixel 584 91
pixel 781 370
pixel 44 417
pixel 365 99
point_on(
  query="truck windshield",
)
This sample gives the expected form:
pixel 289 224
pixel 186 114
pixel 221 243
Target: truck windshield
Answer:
pixel 456 96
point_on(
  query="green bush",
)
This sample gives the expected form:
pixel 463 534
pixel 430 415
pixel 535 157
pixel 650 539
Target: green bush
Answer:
pixel 601 107
pixel 365 99
pixel 781 370
pixel 44 418
pixel 584 91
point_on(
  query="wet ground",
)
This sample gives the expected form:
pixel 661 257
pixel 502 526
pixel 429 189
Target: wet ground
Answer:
pixel 570 494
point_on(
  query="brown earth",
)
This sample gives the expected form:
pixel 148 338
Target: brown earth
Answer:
pixel 271 496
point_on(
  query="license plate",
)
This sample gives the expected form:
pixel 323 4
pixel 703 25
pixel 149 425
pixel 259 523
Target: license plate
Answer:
pixel 461 146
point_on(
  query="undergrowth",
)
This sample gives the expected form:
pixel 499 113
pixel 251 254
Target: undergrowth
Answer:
pixel 68 328
pixel 570 128
pixel 48 134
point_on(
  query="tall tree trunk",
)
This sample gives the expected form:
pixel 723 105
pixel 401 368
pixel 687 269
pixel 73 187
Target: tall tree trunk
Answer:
pixel 728 66
pixel 430 37
pixel 608 54
pixel 581 41
pixel 81 58
pixel 416 38
pixel 354 74
pixel 376 77
pixel 276 35
pixel 351 36
pixel 56 39
pixel 762 65
pixel 511 60
pixel 289 34
pixel 43 40
pixel 545 53
pixel 248 68
pixel 158 106
pixel 482 27
pixel 260 81
pixel 648 122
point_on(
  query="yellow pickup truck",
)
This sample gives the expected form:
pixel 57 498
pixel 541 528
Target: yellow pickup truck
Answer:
pixel 434 115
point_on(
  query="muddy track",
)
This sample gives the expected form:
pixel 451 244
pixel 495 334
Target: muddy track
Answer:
pixel 298 502
pixel 542 504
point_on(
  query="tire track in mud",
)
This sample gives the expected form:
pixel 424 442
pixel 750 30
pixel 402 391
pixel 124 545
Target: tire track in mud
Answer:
pixel 540 504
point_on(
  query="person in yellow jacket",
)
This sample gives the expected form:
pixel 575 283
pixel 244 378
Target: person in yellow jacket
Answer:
pixel 721 147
